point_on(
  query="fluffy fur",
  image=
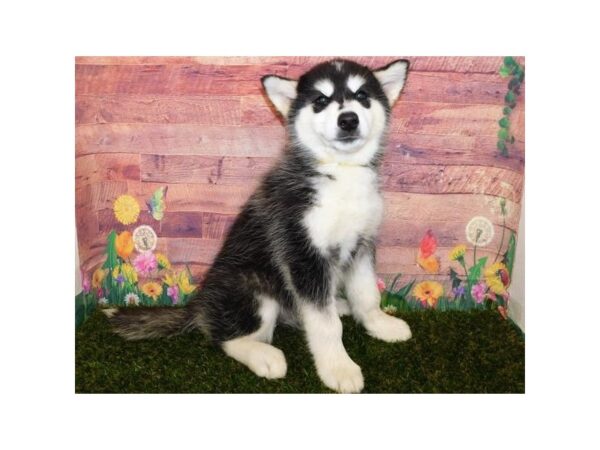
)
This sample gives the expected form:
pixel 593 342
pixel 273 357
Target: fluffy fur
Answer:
pixel 307 232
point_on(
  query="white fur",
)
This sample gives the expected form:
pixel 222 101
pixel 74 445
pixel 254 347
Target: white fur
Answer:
pixel 392 79
pixel 355 82
pixel 338 65
pixel 342 307
pixel 346 208
pixel 281 92
pixel 325 86
pixel 254 350
pixel 324 335
pixel 318 132
pixel 364 298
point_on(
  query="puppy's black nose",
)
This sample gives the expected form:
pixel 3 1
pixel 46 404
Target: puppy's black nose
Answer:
pixel 348 121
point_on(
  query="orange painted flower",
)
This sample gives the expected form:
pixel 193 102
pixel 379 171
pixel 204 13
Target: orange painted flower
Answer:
pixel 428 292
pixel 124 244
pixel 428 245
pixel 152 289
pixel 430 264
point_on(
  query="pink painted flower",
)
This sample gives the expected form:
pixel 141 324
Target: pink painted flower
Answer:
pixel 173 292
pixel 145 263
pixel 478 292
pixel 380 285
pixel 86 282
pixel 100 293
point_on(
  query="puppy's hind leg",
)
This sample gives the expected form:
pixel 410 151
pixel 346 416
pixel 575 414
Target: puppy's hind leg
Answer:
pixel 254 350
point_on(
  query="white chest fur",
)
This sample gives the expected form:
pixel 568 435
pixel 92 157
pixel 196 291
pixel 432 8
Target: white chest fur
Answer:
pixel 347 207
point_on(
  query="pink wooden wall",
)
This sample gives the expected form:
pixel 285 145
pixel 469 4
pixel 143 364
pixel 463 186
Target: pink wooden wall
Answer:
pixel 203 126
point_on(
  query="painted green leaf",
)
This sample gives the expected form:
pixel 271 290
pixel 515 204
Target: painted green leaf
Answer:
pixel 510 97
pixel 501 146
pixel 510 62
pixel 454 277
pixel 406 289
pixel 394 281
pixel 475 271
pixel 504 71
pixel 507 110
pixel 514 84
pixel 111 251
pixel 503 134
pixel 509 255
pixel 504 123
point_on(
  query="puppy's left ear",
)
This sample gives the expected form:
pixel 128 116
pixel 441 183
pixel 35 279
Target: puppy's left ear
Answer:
pixel 281 92
pixel 392 78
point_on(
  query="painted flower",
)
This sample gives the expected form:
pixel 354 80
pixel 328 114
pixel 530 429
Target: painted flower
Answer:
pixel 428 245
pixel 480 231
pixel 458 252
pixel 380 285
pixel 173 293
pixel 184 283
pixel 169 279
pixel 129 273
pixel 497 278
pixel 390 309
pixel 132 299
pixel 126 209
pixel 458 291
pixel 163 261
pixel 503 312
pixel 103 301
pixel 98 277
pixel 152 289
pixel 124 244
pixel 145 263
pixel 86 283
pixel 478 292
pixel 430 264
pixel 428 292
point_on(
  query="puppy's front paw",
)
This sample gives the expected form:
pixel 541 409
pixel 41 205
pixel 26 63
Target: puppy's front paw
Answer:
pixel 387 328
pixel 342 376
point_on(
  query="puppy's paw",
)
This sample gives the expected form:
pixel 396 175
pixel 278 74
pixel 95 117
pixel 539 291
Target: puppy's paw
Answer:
pixel 342 376
pixel 387 328
pixel 268 362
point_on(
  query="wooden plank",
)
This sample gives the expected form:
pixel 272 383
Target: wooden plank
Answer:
pixel 132 108
pixel 471 64
pixel 203 169
pixel 431 209
pixel 99 167
pixel 203 79
pixel 184 139
pixel 446 179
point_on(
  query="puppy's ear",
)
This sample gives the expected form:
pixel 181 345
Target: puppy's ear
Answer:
pixel 281 92
pixel 392 78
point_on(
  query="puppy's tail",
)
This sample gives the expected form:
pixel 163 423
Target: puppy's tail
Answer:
pixel 148 323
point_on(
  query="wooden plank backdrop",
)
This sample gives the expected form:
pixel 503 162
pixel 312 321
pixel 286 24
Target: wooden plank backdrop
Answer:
pixel 203 126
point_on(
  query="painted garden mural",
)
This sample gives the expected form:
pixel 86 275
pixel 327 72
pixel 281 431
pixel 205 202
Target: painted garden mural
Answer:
pixel 168 149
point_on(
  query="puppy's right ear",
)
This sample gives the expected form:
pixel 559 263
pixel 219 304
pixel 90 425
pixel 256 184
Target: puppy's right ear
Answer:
pixel 281 92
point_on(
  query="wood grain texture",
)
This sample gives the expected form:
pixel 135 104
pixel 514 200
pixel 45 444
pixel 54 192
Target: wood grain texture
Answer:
pixel 203 127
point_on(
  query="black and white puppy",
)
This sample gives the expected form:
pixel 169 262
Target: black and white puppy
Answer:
pixel 307 233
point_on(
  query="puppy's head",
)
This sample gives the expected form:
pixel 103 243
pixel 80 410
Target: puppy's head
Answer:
pixel 339 109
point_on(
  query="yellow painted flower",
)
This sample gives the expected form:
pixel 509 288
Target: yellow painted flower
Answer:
pixel 184 284
pixel 116 271
pixel 169 279
pixel 458 252
pixel 124 244
pixel 126 209
pixel 98 277
pixel 497 278
pixel 431 264
pixel 428 292
pixel 152 289
pixel 129 273
pixel 163 261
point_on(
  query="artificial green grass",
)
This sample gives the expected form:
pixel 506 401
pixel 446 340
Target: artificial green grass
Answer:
pixel 452 352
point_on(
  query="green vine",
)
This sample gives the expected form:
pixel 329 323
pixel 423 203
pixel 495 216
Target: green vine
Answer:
pixel 511 68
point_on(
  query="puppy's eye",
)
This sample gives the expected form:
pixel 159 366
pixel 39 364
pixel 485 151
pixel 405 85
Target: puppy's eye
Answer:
pixel 321 101
pixel 361 95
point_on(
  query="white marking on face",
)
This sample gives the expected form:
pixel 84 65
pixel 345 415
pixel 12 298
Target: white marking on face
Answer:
pixel 355 82
pixel 326 87
pixel 338 65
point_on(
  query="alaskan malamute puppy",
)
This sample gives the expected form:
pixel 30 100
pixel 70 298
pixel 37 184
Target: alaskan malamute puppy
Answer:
pixel 307 233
